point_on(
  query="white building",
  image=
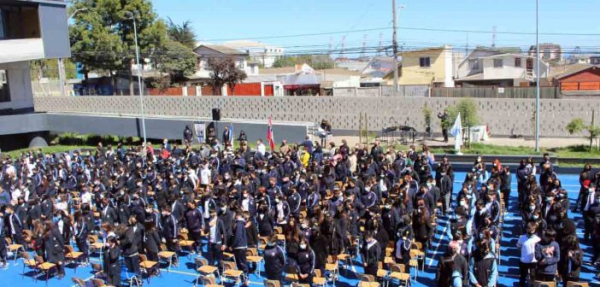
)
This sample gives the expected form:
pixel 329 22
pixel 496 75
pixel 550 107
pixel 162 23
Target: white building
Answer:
pixel 258 52
pixel 209 51
pixel 29 30
pixel 505 70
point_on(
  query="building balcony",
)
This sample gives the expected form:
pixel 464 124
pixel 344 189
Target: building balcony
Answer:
pixel 21 50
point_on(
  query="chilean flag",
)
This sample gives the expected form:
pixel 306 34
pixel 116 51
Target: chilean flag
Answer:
pixel 270 136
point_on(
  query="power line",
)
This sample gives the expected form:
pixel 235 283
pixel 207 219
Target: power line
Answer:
pixel 300 35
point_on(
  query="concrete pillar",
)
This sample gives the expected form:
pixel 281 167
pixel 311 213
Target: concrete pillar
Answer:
pixel 198 91
pixel 224 91
pixel 262 89
pixel 184 91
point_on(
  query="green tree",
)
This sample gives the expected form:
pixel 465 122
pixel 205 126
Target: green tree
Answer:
pixel 427 113
pixel 102 35
pixel 467 108
pixel 176 60
pixel 317 62
pixel 577 126
pixel 183 33
pixel 49 69
pixel 224 72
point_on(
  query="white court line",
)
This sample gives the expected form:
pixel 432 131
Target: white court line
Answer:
pixel 438 244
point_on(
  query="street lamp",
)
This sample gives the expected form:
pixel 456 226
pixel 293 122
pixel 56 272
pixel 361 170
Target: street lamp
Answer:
pixel 537 76
pixel 137 60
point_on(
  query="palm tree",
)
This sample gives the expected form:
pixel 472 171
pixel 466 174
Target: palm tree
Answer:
pixel 183 33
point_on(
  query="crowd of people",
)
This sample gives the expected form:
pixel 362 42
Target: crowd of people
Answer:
pixel 307 203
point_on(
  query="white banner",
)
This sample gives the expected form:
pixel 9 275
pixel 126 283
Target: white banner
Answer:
pixel 200 129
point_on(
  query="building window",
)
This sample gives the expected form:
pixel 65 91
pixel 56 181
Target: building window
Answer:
pixel 4 91
pixel 498 63
pixel 547 54
pixel 518 62
pixel 425 62
pixel 241 64
pixel 474 64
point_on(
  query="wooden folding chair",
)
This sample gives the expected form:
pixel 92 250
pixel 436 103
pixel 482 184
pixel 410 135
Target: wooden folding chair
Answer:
pixel 30 263
pixel 95 245
pixel 252 257
pixel 99 283
pixel 399 273
pixel 184 243
pixel 291 274
pixel 272 283
pixel 78 281
pixel 148 266
pixel 72 256
pixel 45 267
pixel 209 281
pixel 98 271
pixel 318 278
pixel 367 280
pixel 14 248
pixel 204 269
pixel 543 284
pixel 167 256
pixel 577 284
pixel 231 272
pixel 332 266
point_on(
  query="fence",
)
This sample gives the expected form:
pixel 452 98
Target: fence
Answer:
pixel 49 88
pixel 412 91
pixel 496 92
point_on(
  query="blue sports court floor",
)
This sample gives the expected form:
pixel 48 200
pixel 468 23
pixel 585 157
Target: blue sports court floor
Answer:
pixel 185 275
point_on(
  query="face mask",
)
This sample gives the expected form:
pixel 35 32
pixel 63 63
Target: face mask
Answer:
pixel 463 203
pixel 303 246
pixel 532 207
pixel 277 200
pixel 261 216
pixel 429 184
pixel 304 226
pixel 536 217
pixel 548 199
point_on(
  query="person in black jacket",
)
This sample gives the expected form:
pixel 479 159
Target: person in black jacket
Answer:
pixel 240 245
pixel 81 231
pixel 274 257
pixel 505 184
pixel 194 223
pixel 130 245
pixel 151 241
pixel 14 225
pixel 265 221
pixel 108 213
pixel 169 232
pixel 306 262
pixel 453 269
pixel 371 254
pixel 54 245
pixel 112 266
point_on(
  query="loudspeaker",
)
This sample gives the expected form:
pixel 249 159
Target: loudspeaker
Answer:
pixel 216 114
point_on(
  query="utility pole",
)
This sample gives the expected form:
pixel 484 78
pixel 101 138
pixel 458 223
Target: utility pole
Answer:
pixel 343 46
pixel 363 52
pixel 395 48
pixel 494 37
pixel 330 45
pixel 537 76
pixel 380 44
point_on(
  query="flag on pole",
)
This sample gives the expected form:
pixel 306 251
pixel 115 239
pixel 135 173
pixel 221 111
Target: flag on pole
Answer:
pixel 270 136
pixel 456 132
pixel 231 134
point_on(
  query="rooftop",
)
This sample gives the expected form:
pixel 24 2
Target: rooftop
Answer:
pixel 222 49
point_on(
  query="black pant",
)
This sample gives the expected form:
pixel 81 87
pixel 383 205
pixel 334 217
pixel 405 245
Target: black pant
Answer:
pixel 527 271
pixel 152 256
pixel 240 260
pixel 445 134
pixel 82 245
pixel 133 264
pixel 545 277
pixel 196 237
pixel 113 279
pixel 214 255
pixel 307 280
pixel 506 194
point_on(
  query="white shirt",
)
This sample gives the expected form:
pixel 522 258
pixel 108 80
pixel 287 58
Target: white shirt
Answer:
pixel 86 197
pixel 261 149
pixel 205 176
pixel 527 245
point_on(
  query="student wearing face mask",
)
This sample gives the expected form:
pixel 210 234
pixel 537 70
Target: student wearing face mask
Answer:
pixel 240 245
pixel 483 267
pixel 266 224
pixel 370 254
pixel 306 262
pixel 217 240
pixel 547 254
pixel 275 259
pixel 528 262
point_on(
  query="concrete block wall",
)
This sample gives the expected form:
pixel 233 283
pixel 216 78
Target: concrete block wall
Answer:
pixel 503 116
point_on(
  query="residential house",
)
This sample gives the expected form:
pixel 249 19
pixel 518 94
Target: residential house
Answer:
pixel 595 60
pixel 431 66
pixel 585 79
pixel 304 80
pixel 504 70
pixel 209 51
pixel 470 65
pixel 258 52
pixel 373 74
pixel 549 52
pixel 29 30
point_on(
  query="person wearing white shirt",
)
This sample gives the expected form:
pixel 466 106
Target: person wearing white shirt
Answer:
pixel 205 175
pixel 528 263
pixel 260 147
pixel 86 196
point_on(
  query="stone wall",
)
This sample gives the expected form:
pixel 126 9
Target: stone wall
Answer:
pixel 503 116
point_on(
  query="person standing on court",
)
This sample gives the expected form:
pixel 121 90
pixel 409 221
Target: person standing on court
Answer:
pixel 112 267
pixel 443 116
pixel 240 245
pixel 187 134
pixel 528 262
